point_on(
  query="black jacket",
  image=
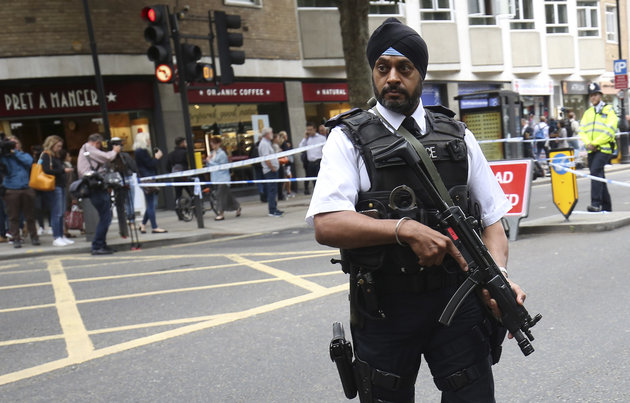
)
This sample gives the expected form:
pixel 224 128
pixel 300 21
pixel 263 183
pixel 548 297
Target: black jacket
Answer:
pixel 179 156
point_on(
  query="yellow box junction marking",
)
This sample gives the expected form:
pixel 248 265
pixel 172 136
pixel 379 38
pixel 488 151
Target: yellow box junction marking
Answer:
pixel 79 345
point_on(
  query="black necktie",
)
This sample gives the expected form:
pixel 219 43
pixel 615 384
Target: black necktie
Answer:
pixel 410 124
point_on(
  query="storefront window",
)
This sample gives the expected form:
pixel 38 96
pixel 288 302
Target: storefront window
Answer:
pixel 319 113
pixel 74 130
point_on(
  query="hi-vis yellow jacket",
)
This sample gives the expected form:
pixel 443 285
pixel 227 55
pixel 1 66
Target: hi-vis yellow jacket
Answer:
pixel 599 129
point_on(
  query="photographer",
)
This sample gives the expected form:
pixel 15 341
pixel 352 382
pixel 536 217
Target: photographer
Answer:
pixel 18 197
pixel 95 162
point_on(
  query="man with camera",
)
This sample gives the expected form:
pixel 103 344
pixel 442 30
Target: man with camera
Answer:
pixel 93 160
pixel 18 197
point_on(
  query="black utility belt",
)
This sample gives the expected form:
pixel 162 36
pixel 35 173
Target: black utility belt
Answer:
pixel 423 282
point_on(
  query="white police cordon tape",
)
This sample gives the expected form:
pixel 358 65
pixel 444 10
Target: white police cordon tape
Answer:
pixel 566 168
pixel 522 139
pixel 250 161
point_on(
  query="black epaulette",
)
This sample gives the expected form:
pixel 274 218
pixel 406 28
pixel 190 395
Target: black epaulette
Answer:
pixel 334 121
pixel 441 109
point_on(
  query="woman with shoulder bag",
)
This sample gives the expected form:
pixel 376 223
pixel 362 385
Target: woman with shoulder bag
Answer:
pixel 147 166
pixel 53 165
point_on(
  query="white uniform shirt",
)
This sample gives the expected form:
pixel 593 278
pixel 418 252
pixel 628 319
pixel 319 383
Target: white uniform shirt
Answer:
pixel 313 154
pixel 343 174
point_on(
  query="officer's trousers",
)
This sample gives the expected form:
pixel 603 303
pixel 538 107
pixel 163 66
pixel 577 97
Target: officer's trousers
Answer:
pixel 395 345
pixel 600 197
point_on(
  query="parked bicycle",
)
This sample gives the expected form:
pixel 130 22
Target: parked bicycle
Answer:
pixel 185 208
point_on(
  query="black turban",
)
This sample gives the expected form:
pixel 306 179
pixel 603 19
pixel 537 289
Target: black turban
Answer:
pixel 392 33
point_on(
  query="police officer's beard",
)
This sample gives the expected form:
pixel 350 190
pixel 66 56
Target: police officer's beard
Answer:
pixel 405 106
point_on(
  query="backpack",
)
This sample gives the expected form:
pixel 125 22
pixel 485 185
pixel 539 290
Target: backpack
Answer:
pixel 567 125
pixel 539 134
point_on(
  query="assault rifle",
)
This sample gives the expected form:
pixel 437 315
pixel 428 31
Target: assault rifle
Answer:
pixel 483 271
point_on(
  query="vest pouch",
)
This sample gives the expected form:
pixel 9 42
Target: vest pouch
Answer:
pixel 367 259
pixel 402 260
pixel 459 194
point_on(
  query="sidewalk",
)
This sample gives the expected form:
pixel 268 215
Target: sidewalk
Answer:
pixel 254 220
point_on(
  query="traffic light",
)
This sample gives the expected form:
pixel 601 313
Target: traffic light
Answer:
pixel 192 70
pixel 225 39
pixel 158 34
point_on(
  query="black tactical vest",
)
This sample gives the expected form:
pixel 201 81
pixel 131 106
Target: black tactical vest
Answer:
pixel 444 142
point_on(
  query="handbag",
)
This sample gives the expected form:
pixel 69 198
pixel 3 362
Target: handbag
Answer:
pixel 39 179
pixel 74 218
pixel 79 189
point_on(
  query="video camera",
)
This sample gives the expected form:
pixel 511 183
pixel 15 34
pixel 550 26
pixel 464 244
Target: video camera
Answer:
pixel 6 146
pixel 114 141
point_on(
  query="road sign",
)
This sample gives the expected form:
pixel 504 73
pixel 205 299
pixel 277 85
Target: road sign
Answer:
pixel 515 178
pixel 563 183
pixel 620 67
pixel 621 82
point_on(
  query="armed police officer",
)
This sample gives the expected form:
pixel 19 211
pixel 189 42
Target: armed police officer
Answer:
pixel 403 271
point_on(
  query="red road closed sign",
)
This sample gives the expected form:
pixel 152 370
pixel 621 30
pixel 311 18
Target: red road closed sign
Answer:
pixel 514 176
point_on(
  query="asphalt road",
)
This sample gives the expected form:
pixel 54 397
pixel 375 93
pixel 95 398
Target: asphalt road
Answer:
pixel 249 320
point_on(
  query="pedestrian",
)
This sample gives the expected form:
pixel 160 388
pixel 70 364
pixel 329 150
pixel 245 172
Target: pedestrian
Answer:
pixel 314 155
pixel 40 206
pixel 225 199
pixel 19 198
pixel 258 171
pixel 288 167
pixel 403 271
pixel 575 129
pixel 147 163
pixel 597 130
pixel 561 141
pixel 276 143
pixel 177 161
pixel 528 134
pixel 93 160
pixel 541 134
pixel 53 164
pixel 270 169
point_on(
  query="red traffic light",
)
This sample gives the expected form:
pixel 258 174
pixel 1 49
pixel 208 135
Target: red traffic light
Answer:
pixel 151 14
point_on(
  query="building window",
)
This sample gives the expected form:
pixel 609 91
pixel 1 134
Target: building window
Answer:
pixel 588 17
pixel 523 14
pixel 317 3
pixel 384 7
pixel 611 24
pixel 436 10
pixel 252 3
pixel 379 7
pixel 483 12
pixel 556 17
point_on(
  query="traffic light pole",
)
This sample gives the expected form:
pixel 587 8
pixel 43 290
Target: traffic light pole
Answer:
pixel 183 92
pixel 97 70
